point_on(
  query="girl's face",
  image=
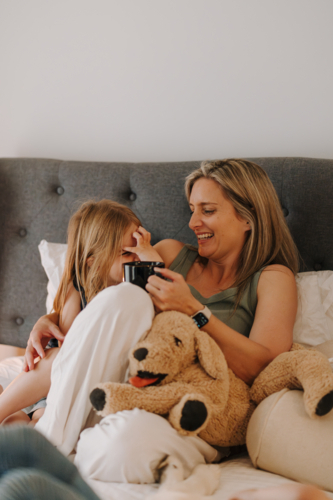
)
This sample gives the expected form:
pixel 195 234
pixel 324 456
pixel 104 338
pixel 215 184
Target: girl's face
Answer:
pixel 220 231
pixel 116 271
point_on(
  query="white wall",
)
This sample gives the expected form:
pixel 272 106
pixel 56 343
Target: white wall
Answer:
pixel 146 80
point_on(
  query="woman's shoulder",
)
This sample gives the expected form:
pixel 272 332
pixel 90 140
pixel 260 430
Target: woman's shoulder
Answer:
pixel 278 270
pixel 276 276
pixel 168 250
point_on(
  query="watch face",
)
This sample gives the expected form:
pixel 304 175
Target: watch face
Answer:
pixel 200 319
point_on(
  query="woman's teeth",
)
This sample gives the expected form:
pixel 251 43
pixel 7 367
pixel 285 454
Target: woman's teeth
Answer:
pixel 205 236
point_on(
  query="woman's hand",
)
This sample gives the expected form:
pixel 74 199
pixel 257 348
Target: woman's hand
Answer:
pixel 143 248
pixel 44 330
pixel 173 295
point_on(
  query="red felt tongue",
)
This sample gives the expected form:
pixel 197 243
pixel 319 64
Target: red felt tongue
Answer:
pixel 141 382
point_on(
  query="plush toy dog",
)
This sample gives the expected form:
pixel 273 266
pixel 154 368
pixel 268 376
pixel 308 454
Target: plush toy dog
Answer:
pixel 178 371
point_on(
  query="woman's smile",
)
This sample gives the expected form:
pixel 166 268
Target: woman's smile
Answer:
pixel 203 237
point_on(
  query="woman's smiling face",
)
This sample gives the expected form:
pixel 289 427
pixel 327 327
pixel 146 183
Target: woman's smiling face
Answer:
pixel 220 231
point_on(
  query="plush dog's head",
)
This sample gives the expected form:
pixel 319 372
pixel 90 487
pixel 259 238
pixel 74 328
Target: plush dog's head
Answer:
pixel 172 344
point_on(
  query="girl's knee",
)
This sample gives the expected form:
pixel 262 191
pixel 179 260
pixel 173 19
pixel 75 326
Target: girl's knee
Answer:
pixel 124 296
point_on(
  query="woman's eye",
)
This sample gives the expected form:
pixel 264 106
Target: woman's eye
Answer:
pixel 124 254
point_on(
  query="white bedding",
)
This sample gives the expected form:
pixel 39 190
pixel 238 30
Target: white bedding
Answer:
pixel 236 475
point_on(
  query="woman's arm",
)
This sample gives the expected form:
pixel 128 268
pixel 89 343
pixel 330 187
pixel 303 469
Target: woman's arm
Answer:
pixel 51 326
pixel 271 333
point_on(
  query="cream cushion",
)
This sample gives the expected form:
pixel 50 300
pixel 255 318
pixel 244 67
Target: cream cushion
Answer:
pixel 283 439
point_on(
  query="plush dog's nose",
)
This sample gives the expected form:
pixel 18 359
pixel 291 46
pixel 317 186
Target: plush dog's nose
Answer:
pixel 140 354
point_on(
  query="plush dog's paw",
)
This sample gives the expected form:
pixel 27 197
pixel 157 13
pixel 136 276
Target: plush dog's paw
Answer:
pixel 190 415
pixel 193 416
pixel 106 398
pixel 98 398
pixel 325 405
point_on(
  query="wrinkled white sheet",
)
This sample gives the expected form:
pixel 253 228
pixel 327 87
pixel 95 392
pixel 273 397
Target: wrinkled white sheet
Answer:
pixel 236 475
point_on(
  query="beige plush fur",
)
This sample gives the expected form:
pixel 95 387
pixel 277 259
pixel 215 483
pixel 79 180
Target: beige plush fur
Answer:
pixel 199 394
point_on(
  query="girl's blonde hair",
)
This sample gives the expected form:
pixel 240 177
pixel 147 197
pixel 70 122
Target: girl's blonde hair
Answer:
pixel 95 232
pixel 254 198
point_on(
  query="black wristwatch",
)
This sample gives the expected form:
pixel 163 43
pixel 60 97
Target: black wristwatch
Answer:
pixel 202 317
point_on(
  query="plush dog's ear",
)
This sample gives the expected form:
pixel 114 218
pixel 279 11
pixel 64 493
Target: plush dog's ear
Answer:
pixel 210 356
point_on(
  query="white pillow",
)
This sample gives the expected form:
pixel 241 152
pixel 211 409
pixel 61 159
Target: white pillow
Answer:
pixel 9 369
pixel 53 261
pixel 314 320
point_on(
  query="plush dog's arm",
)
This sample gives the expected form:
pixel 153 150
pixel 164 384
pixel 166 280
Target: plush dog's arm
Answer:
pixel 111 397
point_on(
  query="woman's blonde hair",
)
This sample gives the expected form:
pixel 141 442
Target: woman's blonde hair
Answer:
pixel 254 198
pixel 95 232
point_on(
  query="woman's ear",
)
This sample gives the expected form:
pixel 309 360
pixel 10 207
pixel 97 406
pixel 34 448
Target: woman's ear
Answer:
pixel 247 226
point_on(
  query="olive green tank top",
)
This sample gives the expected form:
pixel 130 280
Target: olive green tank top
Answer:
pixel 222 304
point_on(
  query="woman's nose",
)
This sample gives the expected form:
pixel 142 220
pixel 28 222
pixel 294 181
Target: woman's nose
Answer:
pixel 194 221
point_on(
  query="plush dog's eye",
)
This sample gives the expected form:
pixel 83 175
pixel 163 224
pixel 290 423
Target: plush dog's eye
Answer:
pixel 178 342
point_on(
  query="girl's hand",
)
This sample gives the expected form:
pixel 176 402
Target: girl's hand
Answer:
pixel 143 248
pixel 173 295
pixel 44 330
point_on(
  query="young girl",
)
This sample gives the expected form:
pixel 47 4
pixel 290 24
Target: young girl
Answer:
pixel 101 237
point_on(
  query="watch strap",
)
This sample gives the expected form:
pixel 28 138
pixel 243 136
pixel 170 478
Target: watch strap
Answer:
pixel 202 317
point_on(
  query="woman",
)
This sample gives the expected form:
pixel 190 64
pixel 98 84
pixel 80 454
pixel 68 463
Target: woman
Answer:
pixel 243 271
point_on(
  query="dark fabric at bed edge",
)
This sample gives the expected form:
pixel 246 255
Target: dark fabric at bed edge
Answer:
pixel 32 208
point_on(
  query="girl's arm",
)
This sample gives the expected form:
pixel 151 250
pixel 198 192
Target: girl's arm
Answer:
pixel 51 326
pixel 157 253
pixel 71 309
pixel 272 330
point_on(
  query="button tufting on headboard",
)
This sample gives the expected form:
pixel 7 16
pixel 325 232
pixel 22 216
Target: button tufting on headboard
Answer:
pixel 60 190
pixel 23 232
pixel 38 196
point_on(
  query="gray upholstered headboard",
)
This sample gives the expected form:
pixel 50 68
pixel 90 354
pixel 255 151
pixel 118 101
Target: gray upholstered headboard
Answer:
pixel 37 197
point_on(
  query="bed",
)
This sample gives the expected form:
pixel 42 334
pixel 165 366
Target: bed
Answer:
pixel 39 195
